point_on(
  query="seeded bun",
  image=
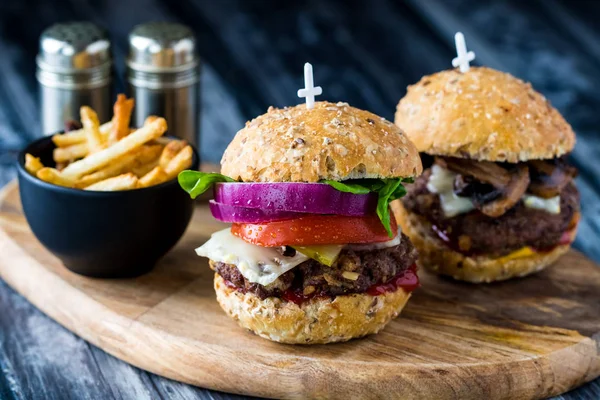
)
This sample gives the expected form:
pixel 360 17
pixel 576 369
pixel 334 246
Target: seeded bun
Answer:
pixel 436 257
pixel 317 321
pixel 482 114
pixel 330 141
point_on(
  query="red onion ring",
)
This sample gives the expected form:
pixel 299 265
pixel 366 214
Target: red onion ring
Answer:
pixel 237 214
pixel 313 198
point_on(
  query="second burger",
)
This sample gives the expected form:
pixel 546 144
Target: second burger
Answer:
pixel 499 200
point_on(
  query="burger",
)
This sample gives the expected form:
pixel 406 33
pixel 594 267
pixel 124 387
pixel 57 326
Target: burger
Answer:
pixel 498 199
pixel 314 254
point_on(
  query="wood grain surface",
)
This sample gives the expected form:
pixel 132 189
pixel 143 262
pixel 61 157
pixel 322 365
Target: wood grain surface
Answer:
pixel 530 338
pixel 363 52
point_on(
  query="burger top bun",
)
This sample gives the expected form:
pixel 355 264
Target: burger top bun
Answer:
pixel 329 141
pixel 482 114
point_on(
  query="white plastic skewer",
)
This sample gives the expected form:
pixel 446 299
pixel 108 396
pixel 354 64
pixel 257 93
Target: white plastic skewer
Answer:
pixel 463 57
pixel 309 91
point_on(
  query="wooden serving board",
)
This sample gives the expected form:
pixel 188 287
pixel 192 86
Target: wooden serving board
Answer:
pixel 529 338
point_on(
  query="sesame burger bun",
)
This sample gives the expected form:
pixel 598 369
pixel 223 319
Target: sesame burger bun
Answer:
pixel 317 321
pixel 482 114
pixel 436 257
pixel 330 141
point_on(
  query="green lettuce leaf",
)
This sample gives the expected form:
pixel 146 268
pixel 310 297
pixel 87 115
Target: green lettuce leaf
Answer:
pixel 387 191
pixel 196 182
pixel 348 187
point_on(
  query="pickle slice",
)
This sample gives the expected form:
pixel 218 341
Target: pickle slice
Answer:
pixel 325 254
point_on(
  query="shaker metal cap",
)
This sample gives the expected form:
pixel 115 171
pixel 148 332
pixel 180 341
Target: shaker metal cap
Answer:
pixel 73 46
pixel 162 47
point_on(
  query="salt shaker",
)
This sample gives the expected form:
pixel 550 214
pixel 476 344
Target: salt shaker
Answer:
pixel 74 68
pixel 163 71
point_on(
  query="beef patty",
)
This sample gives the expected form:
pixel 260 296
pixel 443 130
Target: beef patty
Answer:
pixel 311 277
pixel 518 227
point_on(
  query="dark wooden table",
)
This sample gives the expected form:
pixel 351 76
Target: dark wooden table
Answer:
pixel 363 52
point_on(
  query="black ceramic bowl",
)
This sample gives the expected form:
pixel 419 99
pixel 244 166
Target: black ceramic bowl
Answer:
pixel 103 234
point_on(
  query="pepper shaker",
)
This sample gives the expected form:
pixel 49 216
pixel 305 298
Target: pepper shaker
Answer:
pixel 163 71
pixel 74 68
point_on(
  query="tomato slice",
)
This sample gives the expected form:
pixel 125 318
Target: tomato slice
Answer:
pixel 315 230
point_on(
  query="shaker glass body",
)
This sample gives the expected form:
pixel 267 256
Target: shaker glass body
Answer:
pixel 179 106
pixel 61 105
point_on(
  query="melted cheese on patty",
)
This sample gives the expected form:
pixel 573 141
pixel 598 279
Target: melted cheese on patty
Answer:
pixel 551 205
pixel 441 182
pixel 263 265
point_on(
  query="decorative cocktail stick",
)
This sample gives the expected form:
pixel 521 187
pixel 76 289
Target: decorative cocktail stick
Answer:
pixel 310 91
pixel 463 57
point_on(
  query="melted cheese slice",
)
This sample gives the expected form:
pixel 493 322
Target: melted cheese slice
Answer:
pixel 441 182
pixel 522 252
pixel 551 205
pixel 378 246
pixel 262 265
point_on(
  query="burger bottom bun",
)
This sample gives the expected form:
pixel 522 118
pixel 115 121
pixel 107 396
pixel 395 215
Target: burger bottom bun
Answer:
pixel 316 321
pixel 435 256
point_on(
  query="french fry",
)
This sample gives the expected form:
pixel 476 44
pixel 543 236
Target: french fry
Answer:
pixel 77 136
pixel 154 177
pixel 62 165
pixel 130 161
pixel 181 161
pixel 129 143
pixel 150 119
pixel 51 175
pixel 121 118
pixel 143 169
pixel 122 182
pixel 70 153
pixel 162 140
pixel 32 164
pixel 170 151
pixel 91 127
pixel 69 138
